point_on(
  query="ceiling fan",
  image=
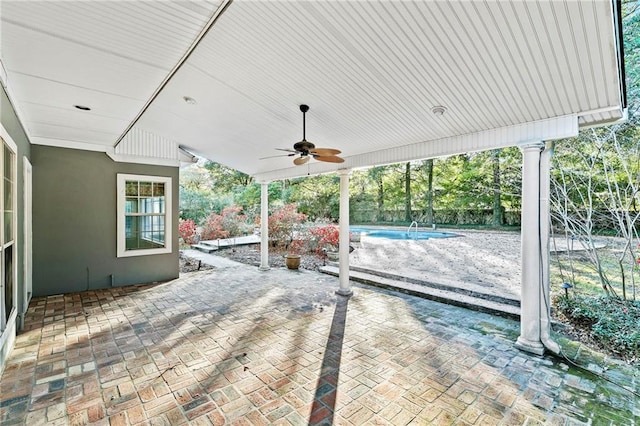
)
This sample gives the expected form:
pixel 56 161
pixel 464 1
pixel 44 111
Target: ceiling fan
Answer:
pixel 305 149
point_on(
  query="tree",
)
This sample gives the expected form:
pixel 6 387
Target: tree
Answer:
pixel 226 179
pixel 497 205
pixel 595 179
pixel 407 193
pixel 376 174
pixel 429 193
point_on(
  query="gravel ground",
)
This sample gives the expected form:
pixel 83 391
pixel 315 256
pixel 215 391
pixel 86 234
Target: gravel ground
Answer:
pixel 188 264
pixel 251 255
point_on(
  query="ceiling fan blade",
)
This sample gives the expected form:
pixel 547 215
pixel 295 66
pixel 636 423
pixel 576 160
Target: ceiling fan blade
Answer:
pixel 275 156
pixel 325 151
pixel 301 160
pixel 287 150
pixel 329 158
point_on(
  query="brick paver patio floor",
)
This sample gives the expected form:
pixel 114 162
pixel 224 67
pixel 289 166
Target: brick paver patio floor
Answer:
pixel 239 346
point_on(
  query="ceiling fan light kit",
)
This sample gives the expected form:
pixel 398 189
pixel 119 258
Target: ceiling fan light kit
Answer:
pixel 306 149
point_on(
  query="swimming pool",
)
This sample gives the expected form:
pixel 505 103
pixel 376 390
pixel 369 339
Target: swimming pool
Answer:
pixel 397 234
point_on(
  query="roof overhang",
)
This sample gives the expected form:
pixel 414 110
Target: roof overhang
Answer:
pixel 506 72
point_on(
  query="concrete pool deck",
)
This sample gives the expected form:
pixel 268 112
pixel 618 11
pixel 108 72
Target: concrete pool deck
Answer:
pixel 235 345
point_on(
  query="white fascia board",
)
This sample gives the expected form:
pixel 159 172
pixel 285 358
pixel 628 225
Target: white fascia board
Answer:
pixel 107 149
pixel 3 74
pixel 4 80
pixel 137 159
pixel 542 130
pixel 617 118
pixel 63 143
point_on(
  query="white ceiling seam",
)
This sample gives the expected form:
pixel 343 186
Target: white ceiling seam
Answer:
pixel 219 11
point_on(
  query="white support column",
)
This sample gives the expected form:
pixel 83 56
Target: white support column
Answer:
pixel 545 233
pixel 529 339
pixel 264 226
pixel 345 285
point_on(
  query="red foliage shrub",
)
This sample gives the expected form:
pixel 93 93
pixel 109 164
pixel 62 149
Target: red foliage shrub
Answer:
pixel 297 246
pixel 327 236
pixel 230 223
pixel 283 222
pixel 187 230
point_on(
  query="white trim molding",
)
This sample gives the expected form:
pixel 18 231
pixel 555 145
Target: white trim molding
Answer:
pixel 143 147
pixel 548 130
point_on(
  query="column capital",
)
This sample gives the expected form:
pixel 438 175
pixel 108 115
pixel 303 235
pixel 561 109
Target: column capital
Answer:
pixel 532 146
pixel 343 172
pixel 264 182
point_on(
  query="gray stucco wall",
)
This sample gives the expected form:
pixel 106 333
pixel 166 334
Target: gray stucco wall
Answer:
pixel 74 223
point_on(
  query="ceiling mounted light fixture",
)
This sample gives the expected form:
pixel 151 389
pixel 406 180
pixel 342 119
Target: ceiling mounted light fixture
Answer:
pixel 189 100
pixel 82 107
pixel 438 110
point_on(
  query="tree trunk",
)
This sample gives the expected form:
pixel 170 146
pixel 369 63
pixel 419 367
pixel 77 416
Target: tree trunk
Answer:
pixel 380 197
pixel 497 205
pixel 407 193
pixel 429 195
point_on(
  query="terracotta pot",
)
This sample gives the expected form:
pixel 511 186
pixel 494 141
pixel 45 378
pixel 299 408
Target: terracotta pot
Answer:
pixel 292 261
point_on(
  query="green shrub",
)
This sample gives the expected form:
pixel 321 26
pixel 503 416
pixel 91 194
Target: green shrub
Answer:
pixel 613 323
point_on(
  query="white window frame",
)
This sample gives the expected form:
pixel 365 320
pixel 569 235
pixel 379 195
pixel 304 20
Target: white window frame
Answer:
pixel 121 222
pixel 4 322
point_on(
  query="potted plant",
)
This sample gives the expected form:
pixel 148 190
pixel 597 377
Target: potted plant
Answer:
pixel 292 257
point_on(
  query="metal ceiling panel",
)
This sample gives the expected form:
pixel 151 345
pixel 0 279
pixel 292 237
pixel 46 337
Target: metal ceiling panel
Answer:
pixel 109 56
pixel 371 71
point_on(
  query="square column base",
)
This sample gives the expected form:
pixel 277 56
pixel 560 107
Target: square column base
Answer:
pixel 346 293
pixel 531 347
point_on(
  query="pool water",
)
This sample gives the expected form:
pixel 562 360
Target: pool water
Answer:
pixel 396 234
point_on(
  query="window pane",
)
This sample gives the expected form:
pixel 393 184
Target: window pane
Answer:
pixel 158 205
pixel 128 226
pixel 8 211
pixel 8 226
pixel 144 205
pixel 8 281
pixel 144 232
pixel 131 205
pixel 8 194
pixel 158 189
pixel 146 189
pixel 8 163
pixel 131 188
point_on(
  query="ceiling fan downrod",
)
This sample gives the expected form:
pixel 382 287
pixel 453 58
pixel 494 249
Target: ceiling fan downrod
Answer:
pixel 304 145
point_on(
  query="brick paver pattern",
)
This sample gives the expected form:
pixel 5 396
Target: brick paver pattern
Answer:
pixel 244 347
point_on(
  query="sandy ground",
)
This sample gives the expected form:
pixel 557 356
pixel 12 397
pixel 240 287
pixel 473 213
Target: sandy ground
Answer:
pixel 488 260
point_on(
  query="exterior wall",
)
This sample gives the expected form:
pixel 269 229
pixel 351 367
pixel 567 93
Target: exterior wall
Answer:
pixel 12 125
pixel 74 223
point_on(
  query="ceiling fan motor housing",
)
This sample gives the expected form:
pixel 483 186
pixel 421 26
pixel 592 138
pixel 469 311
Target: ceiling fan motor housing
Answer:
pixel 303 146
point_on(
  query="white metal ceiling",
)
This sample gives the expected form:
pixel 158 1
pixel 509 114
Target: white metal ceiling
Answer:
pixel 371 72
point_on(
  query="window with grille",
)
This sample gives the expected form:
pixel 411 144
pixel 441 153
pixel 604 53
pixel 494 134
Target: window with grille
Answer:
pixel 8 284
pixel 144 215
